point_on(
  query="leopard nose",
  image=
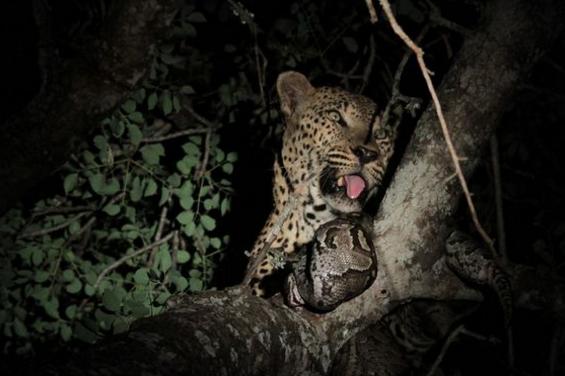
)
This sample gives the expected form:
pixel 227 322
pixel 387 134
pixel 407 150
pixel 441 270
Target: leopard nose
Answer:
pixel 365 155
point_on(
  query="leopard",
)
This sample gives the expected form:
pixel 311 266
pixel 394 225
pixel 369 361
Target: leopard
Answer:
pixel 335 151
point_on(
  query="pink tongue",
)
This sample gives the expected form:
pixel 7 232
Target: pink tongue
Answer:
pixel 354 185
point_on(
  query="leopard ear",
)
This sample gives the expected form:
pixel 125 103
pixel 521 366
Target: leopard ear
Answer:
pixel 292 87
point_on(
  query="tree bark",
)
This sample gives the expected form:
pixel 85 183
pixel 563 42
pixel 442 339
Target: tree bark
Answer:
pixel 231 332
pixel 78 92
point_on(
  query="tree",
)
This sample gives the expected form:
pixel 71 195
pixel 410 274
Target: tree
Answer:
pixel 87 85
pixel 231 332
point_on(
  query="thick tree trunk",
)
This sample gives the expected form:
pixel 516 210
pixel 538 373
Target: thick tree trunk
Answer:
pixel 78 92
pixel 231 332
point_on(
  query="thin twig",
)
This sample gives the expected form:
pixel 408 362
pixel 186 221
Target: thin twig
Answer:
pixel 452 336
pixel 369 65
pixel 199 117
pixel 395 95
pixel 480 337
pixel 61 210
pixel 170 136
pixel 498 198
pixel 372 11
pixel 455 159
pixel 437 18
pixel 202 170
pixel 119 262
pixel 159 232
pixel 54 228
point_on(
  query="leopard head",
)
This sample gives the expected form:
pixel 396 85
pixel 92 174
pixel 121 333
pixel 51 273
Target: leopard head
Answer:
pixel 336 139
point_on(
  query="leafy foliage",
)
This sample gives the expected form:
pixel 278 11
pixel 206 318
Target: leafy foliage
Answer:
pixel 135 220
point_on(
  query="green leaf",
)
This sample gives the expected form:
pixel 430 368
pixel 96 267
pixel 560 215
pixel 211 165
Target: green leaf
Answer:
pixel 134 133
pixel 100 142
pixel 191 149
pixel 185 217
pixel 187 90
pixel 20 329
pixel 197 140
pixel 51 307
pixel 208 222
pixel 70 182
pixel 88 157
pixel 136 117
pixel 71 311
pixel 68 275
pixel 112 187
pixel 209 204
pixel 186 202
pixel 189 229
pixel 111 301
pixel 111 209
pixel 89 290
pixel 37 256
pixel 150 188
pixel 165 194
pixel 151 153
pixel 195 284
pixel 176 104
pixel 140 276
pixel 97 182
pixel 74 227
pixel 136 190
pixel 41 276
pixel 232 156
pixel 227 168
pixel 220 155
pixel 165 260
pixel 66 332
pixel 117 128
pixel 216 243
pixel 181 284
pixel 166 103
pixel 196 17
pixel 129 106
pixel 186 189
pixel 74 287
pixel 225 206
pixel 152 101
pixel 186 164
pixel 183 257
pixel 174 180
pixel 139 95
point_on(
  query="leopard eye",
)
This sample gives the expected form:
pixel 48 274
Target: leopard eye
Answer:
pixel 380 134
pixel 336 117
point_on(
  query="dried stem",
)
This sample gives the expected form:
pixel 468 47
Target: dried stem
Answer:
pixel 395 95
pixel 159 232
pixel 372 11
pixel 170 136
pixel 454 157
pixel 498 199
pixel 369 65
pixel 452 336
pixel 202 170
pixel 54 228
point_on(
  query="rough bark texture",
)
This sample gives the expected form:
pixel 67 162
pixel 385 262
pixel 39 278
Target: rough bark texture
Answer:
pixel 232 332
pixel 78 92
